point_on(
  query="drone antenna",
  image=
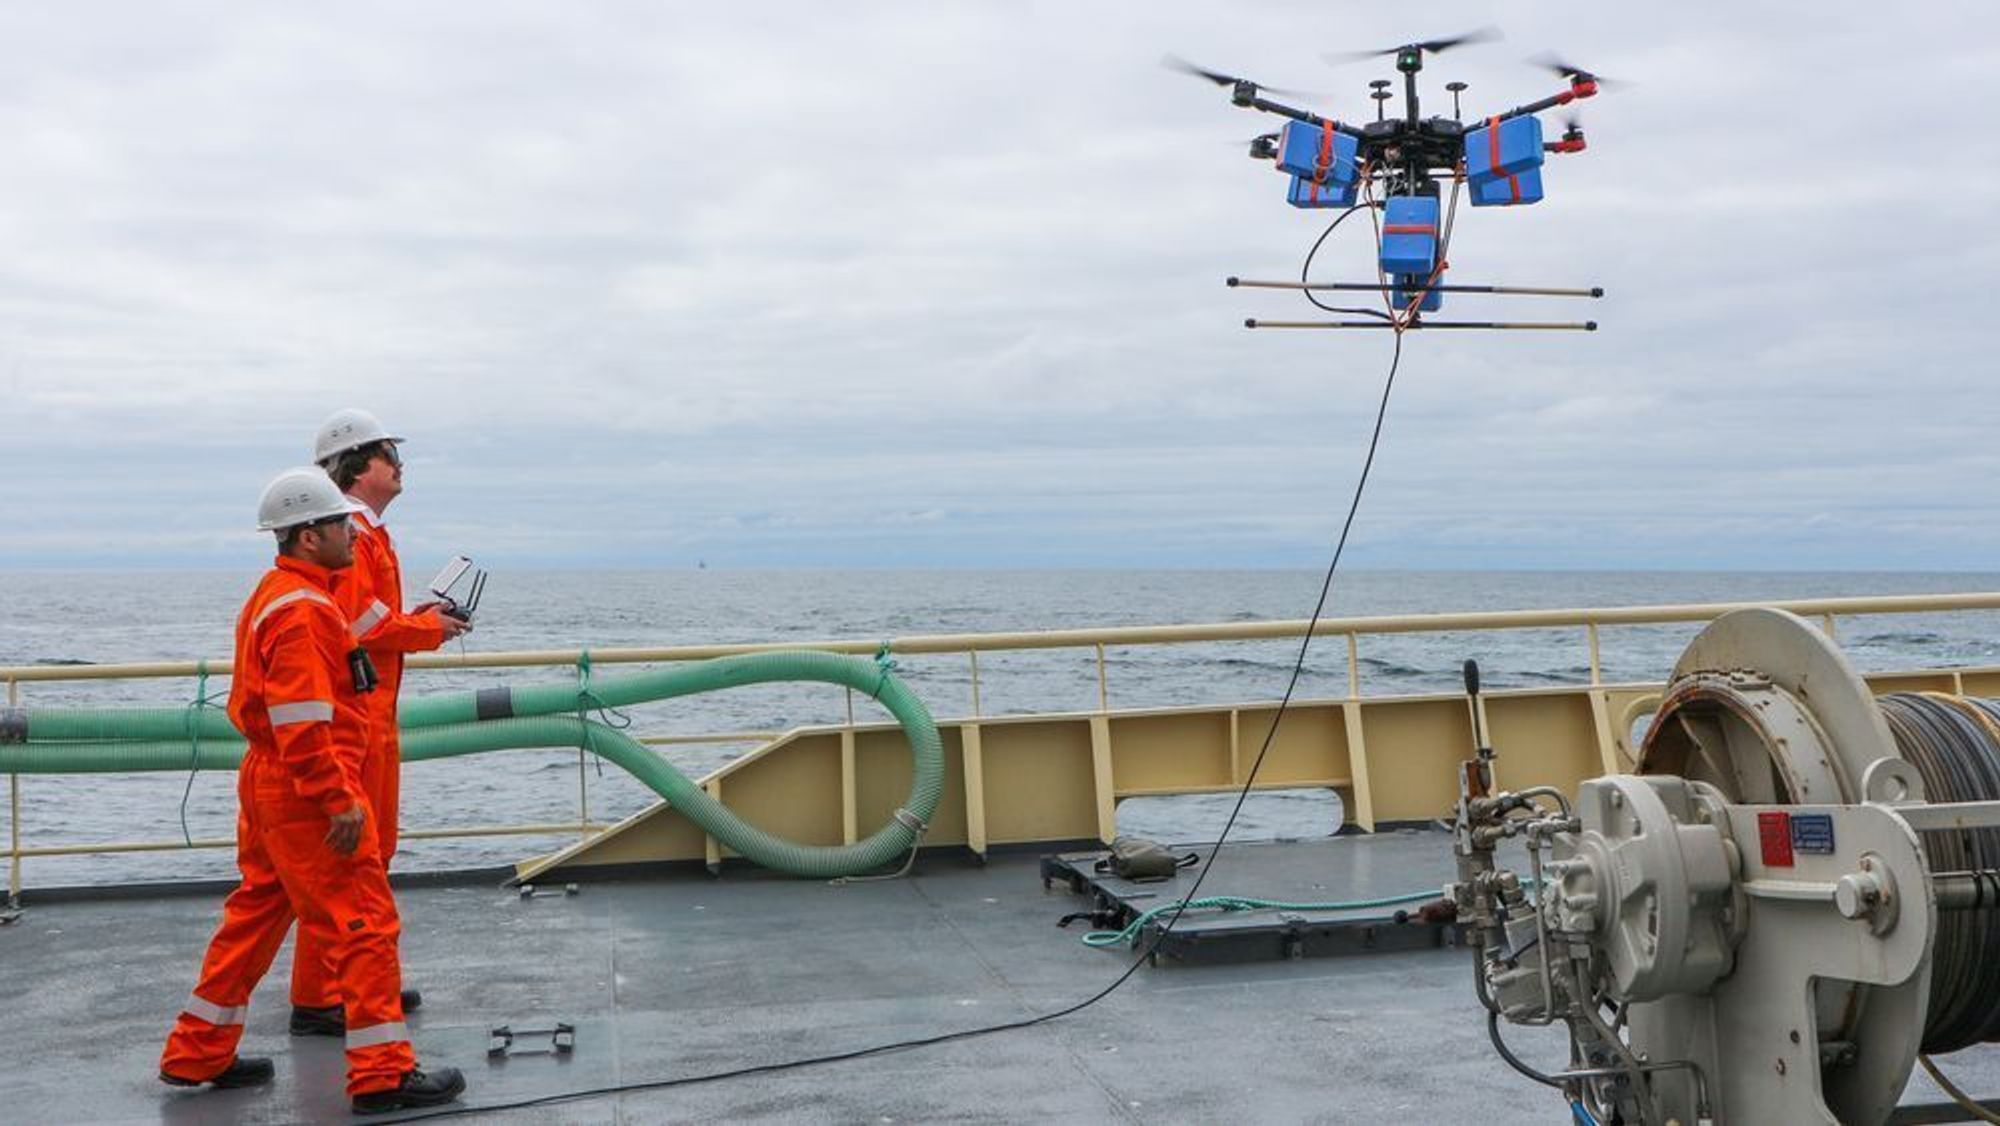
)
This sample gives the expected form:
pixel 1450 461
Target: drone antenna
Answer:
pixel 1381 95
pixel 1456 89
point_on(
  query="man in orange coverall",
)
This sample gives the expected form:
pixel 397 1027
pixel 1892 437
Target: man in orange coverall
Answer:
pixel 303 842
pixel 361 457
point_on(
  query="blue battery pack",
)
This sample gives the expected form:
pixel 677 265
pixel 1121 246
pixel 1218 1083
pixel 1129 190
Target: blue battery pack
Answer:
pixel 1305 193
pixel 1509 191
pixel 1408 286
pixel 1410 234
pixel 1506 148
pixel 1317 152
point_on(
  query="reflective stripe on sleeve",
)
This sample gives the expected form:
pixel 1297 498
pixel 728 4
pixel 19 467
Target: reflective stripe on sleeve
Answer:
pixel 305 711
pixel 286 599
pixel 369 618
pixel 218 1015
pixel 388 1032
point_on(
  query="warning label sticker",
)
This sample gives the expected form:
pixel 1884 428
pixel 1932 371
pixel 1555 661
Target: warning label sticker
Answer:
pixel 1774 833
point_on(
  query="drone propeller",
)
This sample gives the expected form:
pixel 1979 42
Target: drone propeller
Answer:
pixel 1479 35
pixel 1175 62
pixel 1548 61
pixel 1572 135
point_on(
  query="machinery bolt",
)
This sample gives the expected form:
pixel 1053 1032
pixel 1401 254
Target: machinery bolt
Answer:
pixel 1856 895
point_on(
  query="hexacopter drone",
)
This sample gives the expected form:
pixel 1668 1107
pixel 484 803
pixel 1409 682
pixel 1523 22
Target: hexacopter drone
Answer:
pixel 1399 166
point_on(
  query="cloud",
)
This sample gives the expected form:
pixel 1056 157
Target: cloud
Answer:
pixel 807 284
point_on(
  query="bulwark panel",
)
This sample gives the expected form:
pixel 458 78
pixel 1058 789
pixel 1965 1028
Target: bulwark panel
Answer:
pixel 1187 750
pixel 1414 748
pixel 1039 784
pixel 1543 739
pixel 1311 744
pixel 794 793
pixel 882 783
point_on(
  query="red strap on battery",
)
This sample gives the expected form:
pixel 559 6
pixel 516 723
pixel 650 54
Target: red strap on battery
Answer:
pixel 1409 228
pixel 1325 153
pixel 1493 144
pixel 1514 185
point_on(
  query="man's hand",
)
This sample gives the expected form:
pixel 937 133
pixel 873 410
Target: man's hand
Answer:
pixel 453 627
pixel 345 835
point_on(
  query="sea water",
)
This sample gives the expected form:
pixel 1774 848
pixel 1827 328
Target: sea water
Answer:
pixel 49 618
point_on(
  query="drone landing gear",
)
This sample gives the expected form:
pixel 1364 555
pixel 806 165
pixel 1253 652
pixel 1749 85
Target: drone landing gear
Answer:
pixel 1416 321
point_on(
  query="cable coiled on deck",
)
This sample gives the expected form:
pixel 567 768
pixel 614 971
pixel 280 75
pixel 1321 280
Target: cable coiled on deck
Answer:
pixel 1954 742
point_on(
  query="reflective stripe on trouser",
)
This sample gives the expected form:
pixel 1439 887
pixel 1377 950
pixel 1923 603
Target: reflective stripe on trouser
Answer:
pixel 287 867
pixel 313 984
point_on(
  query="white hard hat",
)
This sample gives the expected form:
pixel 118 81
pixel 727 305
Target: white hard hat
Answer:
pixel 347 430
pixel 301 496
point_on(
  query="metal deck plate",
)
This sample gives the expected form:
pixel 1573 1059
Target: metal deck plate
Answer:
pixel 685 976
pixel 1304 872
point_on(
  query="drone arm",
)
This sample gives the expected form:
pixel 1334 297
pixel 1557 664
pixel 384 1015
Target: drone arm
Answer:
pixel 1311 119
pixel 1582 88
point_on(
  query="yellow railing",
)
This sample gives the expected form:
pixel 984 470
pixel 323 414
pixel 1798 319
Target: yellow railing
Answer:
pixel 1352 630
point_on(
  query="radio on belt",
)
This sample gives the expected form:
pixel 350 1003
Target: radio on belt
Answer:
pixel 455 572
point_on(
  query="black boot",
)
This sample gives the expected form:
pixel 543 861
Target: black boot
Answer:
pixel 329 1021
pixel 243 1071
pixel 332 1020
pixel 418 1088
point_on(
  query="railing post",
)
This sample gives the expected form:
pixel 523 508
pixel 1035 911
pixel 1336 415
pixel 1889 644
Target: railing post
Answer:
pixel 850 830
pixel 1596 676
pixel 974 654
pixel 1103 688
pixel 13 814
pixel 1353 666
pixel 582 797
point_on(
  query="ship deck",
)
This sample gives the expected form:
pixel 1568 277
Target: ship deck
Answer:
pixel 678 975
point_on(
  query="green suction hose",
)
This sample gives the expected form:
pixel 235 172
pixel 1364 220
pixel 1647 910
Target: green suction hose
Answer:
pixel 117 740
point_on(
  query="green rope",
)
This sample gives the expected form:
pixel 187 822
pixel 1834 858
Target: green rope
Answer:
pixel 887 664
pixel 1130 935
pixel 192 721
pixel 588 701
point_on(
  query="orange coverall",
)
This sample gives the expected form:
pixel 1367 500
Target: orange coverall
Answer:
pixel 292 696
pixel 372 599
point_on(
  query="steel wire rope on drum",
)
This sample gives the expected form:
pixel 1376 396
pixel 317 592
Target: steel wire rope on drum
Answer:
pixel 1954 742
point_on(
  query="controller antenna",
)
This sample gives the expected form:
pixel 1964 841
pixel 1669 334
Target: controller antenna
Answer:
pixel 1456 89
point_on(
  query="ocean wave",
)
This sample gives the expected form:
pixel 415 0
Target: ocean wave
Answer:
pixel 1917 637
pixel 1395 668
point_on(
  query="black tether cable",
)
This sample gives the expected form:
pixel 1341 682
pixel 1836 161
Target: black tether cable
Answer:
pixel 1305 269
pixel 1298 666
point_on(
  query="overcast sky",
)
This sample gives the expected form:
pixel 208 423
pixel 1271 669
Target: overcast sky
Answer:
pixel 794 284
